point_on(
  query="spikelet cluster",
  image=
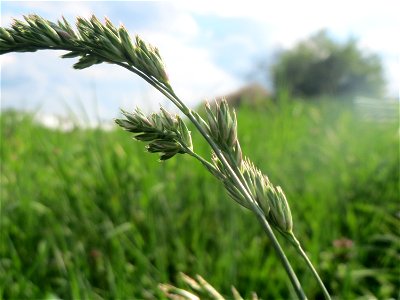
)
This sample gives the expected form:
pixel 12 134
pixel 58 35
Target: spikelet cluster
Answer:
pixel 93 41
pixel 166 134
pixel 198 288
pixel 222 128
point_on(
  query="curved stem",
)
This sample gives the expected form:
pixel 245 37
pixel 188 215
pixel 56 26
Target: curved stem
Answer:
pixel 298 247
pixel 206 163
pixel 161 88
pixel 267 228
pixel 238 173
pixel 289 270
pixel 281 254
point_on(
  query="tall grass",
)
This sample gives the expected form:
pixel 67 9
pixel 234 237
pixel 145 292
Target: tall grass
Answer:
pixel 85 214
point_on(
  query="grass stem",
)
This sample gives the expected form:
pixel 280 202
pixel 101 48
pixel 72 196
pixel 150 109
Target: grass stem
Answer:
pixel 302 253
pixel 267 228
pixel 282 257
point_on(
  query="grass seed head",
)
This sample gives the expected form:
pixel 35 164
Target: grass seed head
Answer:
pixel 165 133
pixel 280 215
pixel 94 41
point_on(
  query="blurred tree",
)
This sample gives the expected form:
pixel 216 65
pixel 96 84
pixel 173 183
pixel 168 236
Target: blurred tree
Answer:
pixel 320 66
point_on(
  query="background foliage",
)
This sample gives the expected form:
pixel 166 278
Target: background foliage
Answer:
pixel 321 66
pixel 88 214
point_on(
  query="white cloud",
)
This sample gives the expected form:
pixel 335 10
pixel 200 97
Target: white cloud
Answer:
pixel 290 21
pixel 55 9
pixel 191 68
pixel 184 24
pixel 8 59
pixel 192 71
pixel 374 23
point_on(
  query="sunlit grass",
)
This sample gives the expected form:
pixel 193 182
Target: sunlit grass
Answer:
pixel 86 214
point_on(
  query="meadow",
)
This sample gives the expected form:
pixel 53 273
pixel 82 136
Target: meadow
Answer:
pixel 88 214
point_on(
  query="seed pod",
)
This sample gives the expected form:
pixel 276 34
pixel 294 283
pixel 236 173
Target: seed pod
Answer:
pixel 256 185
pixel 157 121
pixel 147 136
pixel 261 193
pixel 111 26
pixel 280 215
pixel 147 66
pixel 168 120
pixel 141 118
pixel 86 61
pixel 113 52
pixel 96 25
pixel 185 134
pixel 232 138
pixel 224 122
pixel 63 34
pixel 46 29
pixel 163 77
pixel 163 146
pixel 235 194
pixel 124 124
pixel 168 155
pixel 67 27
pixel 31 20
pixel 5 35
pixel 212 122
pixel 126 43
pixel 237 150
pixel 286 209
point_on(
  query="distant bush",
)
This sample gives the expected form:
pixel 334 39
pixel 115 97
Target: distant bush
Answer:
pixel 320 66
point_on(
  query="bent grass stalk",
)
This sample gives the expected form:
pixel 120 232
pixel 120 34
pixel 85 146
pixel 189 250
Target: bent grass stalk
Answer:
pixel 94 43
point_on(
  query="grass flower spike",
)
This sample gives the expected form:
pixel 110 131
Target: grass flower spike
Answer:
pixel 93 43
pixel 165 133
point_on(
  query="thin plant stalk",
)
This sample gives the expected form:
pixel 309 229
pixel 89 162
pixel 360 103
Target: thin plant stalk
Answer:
pixel 264 223
pixel 281 254
pixel 266 227
pixel 303 254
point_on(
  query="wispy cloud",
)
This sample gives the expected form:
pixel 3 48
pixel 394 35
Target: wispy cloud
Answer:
pixel 192 71
pixel 208 46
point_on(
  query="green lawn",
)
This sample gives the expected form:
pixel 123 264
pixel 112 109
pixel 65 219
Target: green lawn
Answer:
pixel 87 214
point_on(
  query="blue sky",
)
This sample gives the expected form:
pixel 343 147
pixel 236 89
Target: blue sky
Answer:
pixel 209 48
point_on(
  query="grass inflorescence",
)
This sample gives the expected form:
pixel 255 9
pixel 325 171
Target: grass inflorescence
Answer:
pixel 94 42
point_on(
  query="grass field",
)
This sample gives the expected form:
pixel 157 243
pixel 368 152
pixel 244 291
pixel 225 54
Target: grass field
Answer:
pixel 87 214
